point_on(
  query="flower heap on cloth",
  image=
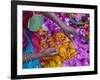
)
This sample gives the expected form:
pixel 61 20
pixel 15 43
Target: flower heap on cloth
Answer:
pixel 60 41
pixel 81 21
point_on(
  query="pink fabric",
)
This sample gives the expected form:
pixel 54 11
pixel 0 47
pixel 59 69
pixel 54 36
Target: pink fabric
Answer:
pixel 35 41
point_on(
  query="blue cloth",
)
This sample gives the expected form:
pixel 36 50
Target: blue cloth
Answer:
pixel 30 50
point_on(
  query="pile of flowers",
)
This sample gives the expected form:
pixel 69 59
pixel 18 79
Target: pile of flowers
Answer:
pixel 72 53
pixel 57 40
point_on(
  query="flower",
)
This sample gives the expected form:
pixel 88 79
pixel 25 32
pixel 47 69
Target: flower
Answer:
pixel 45 27
pixel 42 31
pixel 67 21
pixel 72 53
pixel 83 32
pixel 86 25
pixel 78 17
pixel 61 42
pixel 59 36
pixel 43 44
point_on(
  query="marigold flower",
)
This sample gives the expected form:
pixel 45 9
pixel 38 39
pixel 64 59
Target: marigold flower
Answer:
pixel 42 31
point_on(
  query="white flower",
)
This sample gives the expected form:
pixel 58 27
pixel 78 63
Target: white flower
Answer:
pixel 45 27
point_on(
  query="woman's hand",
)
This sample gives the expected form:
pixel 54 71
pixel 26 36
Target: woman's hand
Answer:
pixel 50 52
pixel 61 24
pixel 46 52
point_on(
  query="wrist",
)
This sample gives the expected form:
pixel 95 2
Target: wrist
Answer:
pixel 42 54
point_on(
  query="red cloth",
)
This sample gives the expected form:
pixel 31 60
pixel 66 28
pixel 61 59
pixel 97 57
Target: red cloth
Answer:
pixel 35 39
pixel 26 16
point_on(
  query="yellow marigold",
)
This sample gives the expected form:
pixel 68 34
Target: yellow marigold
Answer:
pixel 50 38
pixel 57 46
pixel 43 41
pixel 52 44
pixel 52 63
pixel 65 43
pixel 71 45
pixel 43 44
pixel 56 58
pixel 63 50
pixel 42 31
pixel 73 53
pixel 72 50
pixel 59 36
pixel 66 50
pixel 63 53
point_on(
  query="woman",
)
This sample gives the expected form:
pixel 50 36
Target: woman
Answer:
pixel 29 56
